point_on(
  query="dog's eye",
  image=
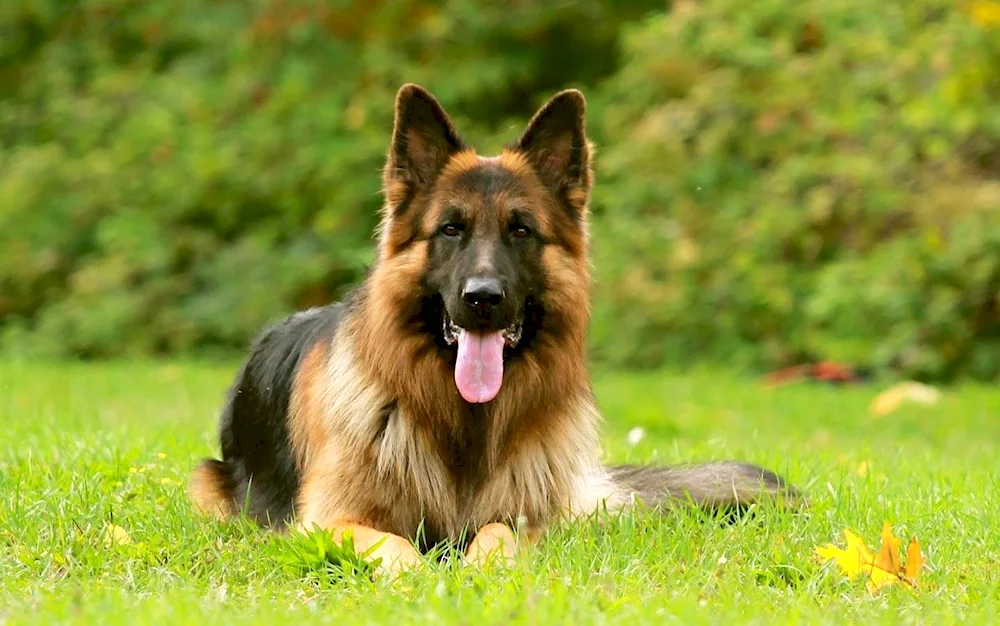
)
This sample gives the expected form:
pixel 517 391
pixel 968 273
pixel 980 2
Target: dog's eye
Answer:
pixel 452 230
pixel 520 231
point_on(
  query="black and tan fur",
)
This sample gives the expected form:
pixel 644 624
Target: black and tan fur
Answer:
pixel 347 416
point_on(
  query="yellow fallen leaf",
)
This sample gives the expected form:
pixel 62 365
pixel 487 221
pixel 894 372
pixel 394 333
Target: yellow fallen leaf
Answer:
pixel 882 570
pixel 914 561
pixel 853 560
pixel 985 12
pixel 888 556
pixel 886 568
pixel 879 578
pixel 893 397
pixel 115 535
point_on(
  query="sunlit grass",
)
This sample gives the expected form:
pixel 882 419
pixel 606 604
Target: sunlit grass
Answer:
pixel 87 446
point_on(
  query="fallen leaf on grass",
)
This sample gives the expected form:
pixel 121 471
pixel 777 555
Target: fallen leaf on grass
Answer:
pixel 883 569
pixel 985 12
pixel 893 397
pixel 115 535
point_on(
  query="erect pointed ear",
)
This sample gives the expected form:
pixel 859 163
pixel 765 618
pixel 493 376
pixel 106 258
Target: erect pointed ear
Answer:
pixel 423 138
pixel 555 142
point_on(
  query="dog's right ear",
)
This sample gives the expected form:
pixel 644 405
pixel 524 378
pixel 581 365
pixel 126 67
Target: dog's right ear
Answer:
pixel 423 138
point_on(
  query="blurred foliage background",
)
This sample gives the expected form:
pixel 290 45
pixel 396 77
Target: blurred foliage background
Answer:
pixel 778 181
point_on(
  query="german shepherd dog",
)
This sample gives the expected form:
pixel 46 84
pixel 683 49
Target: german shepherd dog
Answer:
pixel 449 391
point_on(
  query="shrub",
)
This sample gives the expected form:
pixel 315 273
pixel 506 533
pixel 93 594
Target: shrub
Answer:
pixel 175 174
pixel 777 181
pixel 810 180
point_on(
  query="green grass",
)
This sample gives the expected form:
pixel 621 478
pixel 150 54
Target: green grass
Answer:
pixel 82 446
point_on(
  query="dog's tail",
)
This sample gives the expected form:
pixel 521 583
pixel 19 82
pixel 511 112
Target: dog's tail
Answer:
pixel 722 485
pixel 213 488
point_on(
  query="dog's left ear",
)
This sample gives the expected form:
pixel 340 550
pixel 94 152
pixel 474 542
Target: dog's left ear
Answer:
pixel 556 145
pixel 423 138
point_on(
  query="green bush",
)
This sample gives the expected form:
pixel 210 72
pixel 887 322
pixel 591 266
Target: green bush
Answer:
pixel 811 180
pixel 175 174
pixel 777 181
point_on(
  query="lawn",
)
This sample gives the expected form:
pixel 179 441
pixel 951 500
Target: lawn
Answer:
pixel 85 446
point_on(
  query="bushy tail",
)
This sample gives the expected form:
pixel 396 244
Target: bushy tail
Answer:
pixel 719 485
pixel 213 488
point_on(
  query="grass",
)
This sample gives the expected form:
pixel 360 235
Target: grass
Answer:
pixel 84 446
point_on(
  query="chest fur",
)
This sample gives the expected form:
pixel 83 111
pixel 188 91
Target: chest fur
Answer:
pixel 462 479
pixel 397 469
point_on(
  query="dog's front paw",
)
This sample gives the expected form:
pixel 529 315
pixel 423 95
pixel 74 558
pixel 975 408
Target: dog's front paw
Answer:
pixel 396 555
pixel 494 543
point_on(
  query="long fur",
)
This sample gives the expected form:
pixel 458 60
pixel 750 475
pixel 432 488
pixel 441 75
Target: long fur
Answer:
pixel 349 413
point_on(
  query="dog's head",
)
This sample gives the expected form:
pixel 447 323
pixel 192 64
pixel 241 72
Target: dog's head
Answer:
pixel 499 243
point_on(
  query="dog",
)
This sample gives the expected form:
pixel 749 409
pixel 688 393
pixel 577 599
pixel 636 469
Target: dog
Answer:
pixel 448 393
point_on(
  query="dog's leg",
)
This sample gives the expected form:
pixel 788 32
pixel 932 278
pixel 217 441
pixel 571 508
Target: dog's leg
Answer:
pixel 495 541
pixel 397 554
pixel 319 507
pixel 498 542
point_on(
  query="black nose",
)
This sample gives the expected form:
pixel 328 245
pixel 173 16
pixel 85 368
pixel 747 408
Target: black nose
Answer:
pixel 480 292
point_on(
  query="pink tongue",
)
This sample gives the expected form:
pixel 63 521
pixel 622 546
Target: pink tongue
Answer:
pixel 479 369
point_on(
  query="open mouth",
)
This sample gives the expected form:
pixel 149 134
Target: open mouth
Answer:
pixel 511 335
pixel 479 364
